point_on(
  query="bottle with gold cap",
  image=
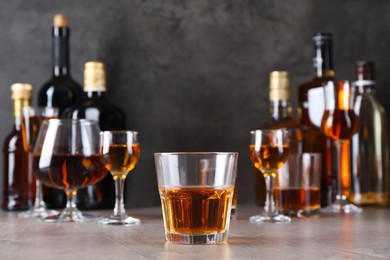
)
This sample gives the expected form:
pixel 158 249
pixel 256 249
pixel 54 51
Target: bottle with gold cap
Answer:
pixel 281 118
pixel 96 107
pixel 61 91
pixel 18 182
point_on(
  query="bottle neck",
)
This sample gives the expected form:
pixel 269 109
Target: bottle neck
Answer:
pixel 18 105
pixel 364 86
pixel 92 94
pixel 280 109
pixel 61 65
pixel 323 61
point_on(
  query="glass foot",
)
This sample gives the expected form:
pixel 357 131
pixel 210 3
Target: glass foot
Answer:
pixel 40 212
pixel 342 207
pixel 71 215
pixel 124 220
pixel 269 219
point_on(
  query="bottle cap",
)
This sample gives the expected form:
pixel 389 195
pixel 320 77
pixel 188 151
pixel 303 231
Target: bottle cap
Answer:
pixel 321 39
pixel 364 70
pixel 21 91
pixel 60 20
pixel 94 76
pixel 279 86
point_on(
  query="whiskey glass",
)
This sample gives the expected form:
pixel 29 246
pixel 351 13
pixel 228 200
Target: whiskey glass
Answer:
pixel 269 150
pixel 66 156
pixel 196 191
pixel 32 118
pixel 340 123
pixel 120 152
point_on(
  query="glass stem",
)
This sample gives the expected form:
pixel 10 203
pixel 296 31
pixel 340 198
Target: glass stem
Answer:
pixel 270 209
pixel 340 197
pixel 39 202
pixel 71 200
pixel 119 210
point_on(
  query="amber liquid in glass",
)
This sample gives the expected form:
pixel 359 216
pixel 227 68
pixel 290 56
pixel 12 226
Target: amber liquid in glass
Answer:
pixel 340 124
pixel 67 171
pixel 121 158
pixel 296 199
pixel 196 210
pixel 268 158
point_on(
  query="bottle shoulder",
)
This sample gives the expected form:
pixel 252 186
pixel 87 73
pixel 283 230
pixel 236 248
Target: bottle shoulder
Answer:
pixel 317 82
pixel 283 123
pixel 13 141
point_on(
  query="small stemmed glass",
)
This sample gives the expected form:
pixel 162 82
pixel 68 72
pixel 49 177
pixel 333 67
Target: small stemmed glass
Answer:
pixel 340 123
pixel 120 153
pixel 31 123
pixel 269 151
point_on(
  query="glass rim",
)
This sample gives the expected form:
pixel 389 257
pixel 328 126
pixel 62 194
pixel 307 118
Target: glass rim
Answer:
pixel 270 130
pixel 118 132
pixel 62 121
pixel 196 153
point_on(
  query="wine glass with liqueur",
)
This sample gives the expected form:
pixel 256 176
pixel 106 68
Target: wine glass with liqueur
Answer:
pixel 340 123
pixel 66 156
pixel 32 118
pixel 269 151
pixel 120 152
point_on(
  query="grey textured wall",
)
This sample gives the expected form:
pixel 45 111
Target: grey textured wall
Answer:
pixel 191 75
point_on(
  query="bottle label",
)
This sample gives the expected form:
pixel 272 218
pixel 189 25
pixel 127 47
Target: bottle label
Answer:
pixel 316 105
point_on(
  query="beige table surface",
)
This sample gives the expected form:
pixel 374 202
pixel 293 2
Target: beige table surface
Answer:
pixel 360 236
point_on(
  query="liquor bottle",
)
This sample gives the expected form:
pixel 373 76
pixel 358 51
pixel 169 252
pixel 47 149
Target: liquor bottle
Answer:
pixel 96 107
pixel 19 184
pixel 60 91
pixel 281 118
pixel 311 107
pixel 370 146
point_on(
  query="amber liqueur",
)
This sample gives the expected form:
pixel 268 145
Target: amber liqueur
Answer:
pixel 18 182
pixel 97 107
pixel 268 158
pixel 281 118
pixel 196 210
pixel 311 108
pixel 121 158
pixel 296 199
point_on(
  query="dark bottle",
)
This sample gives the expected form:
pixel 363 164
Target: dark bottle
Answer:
pixel 60 91
pixel 311 107
pixel 281 118
pixel 96 107
pixel 18 182
pixel 370 146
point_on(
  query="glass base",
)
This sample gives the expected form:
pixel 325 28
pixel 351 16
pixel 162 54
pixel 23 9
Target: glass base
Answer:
pixel 125 221
pixel 196 239
pixel 341 207
pixel 71 215
pixel 300 213
pixel 269 219
pixel 233 212
pixel 38 212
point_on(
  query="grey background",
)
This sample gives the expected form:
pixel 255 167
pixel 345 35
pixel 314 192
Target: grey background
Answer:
pixel 191 75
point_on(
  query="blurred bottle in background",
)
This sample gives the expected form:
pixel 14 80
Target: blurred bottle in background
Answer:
pixel 281 118
pixel 96 107
pixel 18 182
pixel 311 106
pixel 370 146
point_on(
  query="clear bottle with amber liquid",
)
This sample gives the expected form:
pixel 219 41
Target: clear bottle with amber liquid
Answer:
pixel 18 182
pixel 97 107
pixel 281 118
pixel 311 108
pixel 370 146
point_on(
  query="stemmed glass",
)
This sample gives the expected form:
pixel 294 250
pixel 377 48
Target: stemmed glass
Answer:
pixel 340 123
pixel 32 118
pixel 269 151
pixel 120 153
pixel 66 156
